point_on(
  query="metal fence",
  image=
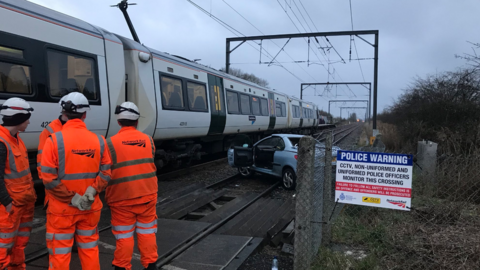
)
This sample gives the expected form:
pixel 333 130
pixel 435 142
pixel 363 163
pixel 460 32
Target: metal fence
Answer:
pixel 441 230
pixel 314 182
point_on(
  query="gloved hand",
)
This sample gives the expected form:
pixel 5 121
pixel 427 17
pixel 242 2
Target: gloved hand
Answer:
pixel 77 201
pixel 88 198
pixel 8 208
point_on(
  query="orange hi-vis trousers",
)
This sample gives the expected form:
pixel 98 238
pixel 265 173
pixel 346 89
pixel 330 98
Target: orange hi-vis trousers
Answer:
pixel 124 221
pixel 15 230
pixel 60 233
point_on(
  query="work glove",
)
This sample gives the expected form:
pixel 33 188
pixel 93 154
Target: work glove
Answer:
pixel 88 198
pixel 8 208
pixel 77 201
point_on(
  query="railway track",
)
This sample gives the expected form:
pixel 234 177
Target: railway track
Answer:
pixel 179 205
pixel 339 133
pixel 191 169
pixel 43 252
pixel 187 243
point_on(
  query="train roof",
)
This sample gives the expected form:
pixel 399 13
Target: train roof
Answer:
pixel 40 12
pixel 133 45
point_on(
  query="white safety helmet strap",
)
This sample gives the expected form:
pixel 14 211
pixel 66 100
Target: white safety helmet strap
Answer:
pixel 128 111
pixel 62 100
pixel 75 102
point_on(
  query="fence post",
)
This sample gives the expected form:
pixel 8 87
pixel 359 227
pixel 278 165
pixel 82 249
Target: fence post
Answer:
pixel 427 157
pixel 304 202
pixel 328 192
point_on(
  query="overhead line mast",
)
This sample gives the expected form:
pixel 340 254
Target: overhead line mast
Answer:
pixel 123 6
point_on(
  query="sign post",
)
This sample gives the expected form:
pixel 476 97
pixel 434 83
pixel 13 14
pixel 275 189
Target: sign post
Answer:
pixel 374 179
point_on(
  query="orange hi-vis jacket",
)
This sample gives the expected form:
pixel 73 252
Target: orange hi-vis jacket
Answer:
pixel 133 168
pixel 72 160
pixel 55 126
pixel 18 179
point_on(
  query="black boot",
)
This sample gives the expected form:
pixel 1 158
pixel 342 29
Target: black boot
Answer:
pixel 119 268
pixel 152 266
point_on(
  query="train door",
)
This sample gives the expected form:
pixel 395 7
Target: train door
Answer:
pixel 217 105
pixel 271 100
pixel 301 114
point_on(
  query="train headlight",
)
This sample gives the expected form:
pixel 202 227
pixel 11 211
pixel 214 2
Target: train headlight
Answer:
pixel 144 57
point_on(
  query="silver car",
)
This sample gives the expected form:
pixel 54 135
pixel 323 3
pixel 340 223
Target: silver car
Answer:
pixel 275 155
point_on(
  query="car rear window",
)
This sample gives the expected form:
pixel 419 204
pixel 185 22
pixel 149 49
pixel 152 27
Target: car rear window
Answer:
pixel 294 141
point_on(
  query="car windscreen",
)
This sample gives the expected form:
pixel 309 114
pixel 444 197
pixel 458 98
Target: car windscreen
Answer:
pixel 294 141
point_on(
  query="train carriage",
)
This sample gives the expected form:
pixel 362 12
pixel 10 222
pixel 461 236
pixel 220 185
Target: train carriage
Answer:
pixel 186 107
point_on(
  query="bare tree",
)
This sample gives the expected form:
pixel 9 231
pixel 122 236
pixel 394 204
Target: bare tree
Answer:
pixel 353 117
pixel 443 107
pixel 246 76
pixel 472 58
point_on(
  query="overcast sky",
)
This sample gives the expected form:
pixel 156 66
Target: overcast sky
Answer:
pixel 417 38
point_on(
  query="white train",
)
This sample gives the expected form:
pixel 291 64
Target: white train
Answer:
pixel 186 107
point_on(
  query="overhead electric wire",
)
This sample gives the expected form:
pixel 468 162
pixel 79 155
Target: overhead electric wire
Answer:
pixel 355 44
pixel 231 29
pixel 300 32
pixel 319 31
pixel 301 24
pixel 328 61
pixel 264 34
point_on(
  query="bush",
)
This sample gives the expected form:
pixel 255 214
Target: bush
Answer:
pixel 443 108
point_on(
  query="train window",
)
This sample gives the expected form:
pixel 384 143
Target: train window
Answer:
pixel 255 106
pixel 15 79
pixel 10 52
pixel 284 110
pixel 304 113
pixel 295 111
pixel 245 104
pixel 71 73
pixel 232 101
pixel 278 109
pixel 264 106
pixel 197 97
pixel 172 93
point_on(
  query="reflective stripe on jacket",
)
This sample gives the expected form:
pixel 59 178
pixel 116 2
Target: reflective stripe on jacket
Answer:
pixel 18 178
pixel 55 126
pixel 72 160
pixel 133 168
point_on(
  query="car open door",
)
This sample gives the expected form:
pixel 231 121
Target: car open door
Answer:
pixel 264 156
pixel 242 156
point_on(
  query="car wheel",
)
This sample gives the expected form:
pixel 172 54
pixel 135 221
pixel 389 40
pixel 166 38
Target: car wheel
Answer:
pixel 289 179
pixel 245 172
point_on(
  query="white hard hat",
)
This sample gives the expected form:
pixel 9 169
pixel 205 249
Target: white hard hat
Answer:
pixel 128 111
pixel 14 106
pixel 75 102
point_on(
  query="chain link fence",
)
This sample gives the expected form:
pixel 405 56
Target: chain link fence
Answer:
pixel 441 230
pixel 314 182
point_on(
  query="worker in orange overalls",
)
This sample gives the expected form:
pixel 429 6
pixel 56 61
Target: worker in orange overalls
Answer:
pixel 54 126
pixel 17 195
pixel 75 169
pixel 132 192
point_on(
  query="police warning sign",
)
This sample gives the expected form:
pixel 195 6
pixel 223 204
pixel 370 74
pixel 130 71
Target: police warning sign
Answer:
pixel 374 179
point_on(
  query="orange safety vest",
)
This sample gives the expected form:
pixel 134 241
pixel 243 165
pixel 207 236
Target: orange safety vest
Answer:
pixel 54 126
pixel 134 175
pixel 72 160
pixel 18 178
